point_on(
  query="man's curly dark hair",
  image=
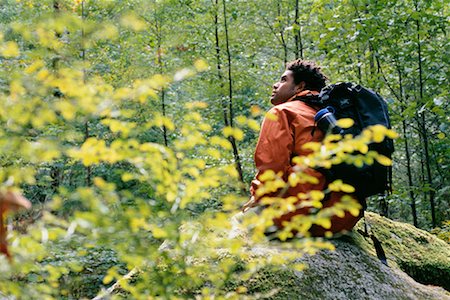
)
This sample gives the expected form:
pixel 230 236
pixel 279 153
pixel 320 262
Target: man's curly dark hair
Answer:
pixel 308 72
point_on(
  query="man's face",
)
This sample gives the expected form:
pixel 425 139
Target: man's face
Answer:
pixel 284 89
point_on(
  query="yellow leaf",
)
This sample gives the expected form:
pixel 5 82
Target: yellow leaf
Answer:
pixel 345 123
pixel 107 32
pixel 237 133
pixel 252 124
pixel 99 182
pixel 354 211
pixel 441 135
pixel 305 226
pixel 336 185
pixel 9 49
pixel 293 179
pixel 270 116
pixel 324 222
pixel 339 213
pixel 378 134
pixel 391 134
pixel 284 235
pixel 159 233
pixel 196 104
pixel 127 177
pixel 227 131
pixel 201 65
pixel 363 148
pixel 383 160
pixel 133 22
pixel 241 120
pixel 305 178
pixel 316 195
pixel 34 66
pixel 42 74
pixel 347 188
pixel 214 153
pixel 171 196
pixel 107 279
pixel 359 161
pixel 299 267
pixel 66 109
pixel 255 110
pixel 313 146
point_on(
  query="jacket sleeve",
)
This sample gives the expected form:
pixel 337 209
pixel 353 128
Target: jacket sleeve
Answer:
pixel 274 148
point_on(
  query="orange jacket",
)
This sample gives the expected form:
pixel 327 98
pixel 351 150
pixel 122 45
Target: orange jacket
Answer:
pixel 282 139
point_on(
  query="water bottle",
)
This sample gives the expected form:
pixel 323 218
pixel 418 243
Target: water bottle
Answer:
pixel 326 121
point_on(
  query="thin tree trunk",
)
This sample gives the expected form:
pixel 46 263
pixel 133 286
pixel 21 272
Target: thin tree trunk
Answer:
pixel 230 95
pixel 372 60
pixel 88 169
pixel 163 93
pixel 358 66
pixel 161 69
pixel 219 63
pixel 409 173
pixel 423 129
pixel 283 42
pixel 408 156
pixel 298 34
pixel 54 170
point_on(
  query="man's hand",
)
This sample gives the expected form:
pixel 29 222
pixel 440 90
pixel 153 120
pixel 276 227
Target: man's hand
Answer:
pixel 9 201
pixel 249 204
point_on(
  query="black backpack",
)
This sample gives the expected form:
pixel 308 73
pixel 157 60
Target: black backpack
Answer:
pixel 366 108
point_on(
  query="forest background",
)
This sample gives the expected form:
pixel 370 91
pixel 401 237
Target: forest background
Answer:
pixel 124 120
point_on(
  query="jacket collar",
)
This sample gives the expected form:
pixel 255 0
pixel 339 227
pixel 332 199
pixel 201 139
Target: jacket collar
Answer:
pixel 304 94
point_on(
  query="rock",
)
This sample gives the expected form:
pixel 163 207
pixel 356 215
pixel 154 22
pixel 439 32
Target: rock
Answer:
pixel 349 272
pixel 420 254
pixel 353 271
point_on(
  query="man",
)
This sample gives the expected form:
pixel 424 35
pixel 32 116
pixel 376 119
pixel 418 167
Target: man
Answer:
pixel 290 125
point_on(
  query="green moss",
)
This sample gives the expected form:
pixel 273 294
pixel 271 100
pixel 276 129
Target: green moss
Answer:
pixel 270 283
pixel 93 265
pixel 421 255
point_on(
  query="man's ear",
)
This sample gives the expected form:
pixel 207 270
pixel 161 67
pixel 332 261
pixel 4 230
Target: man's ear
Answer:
pixel 300 87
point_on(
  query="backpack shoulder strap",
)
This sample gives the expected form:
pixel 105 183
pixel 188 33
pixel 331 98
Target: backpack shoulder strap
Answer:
pixel 311 99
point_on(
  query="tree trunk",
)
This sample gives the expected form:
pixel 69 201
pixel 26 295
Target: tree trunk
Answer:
pixel 283 42
pixel 422 123
pixel 88 169
pixel 408 156
pixel 230 96
pixel 410 179
pixel 161 69
pixel 298 34
pixel 219 64
pixel 54 170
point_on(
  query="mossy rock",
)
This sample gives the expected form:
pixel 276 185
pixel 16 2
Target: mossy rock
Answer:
pixel 353 271
pixel 93 266
pixel 421 255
